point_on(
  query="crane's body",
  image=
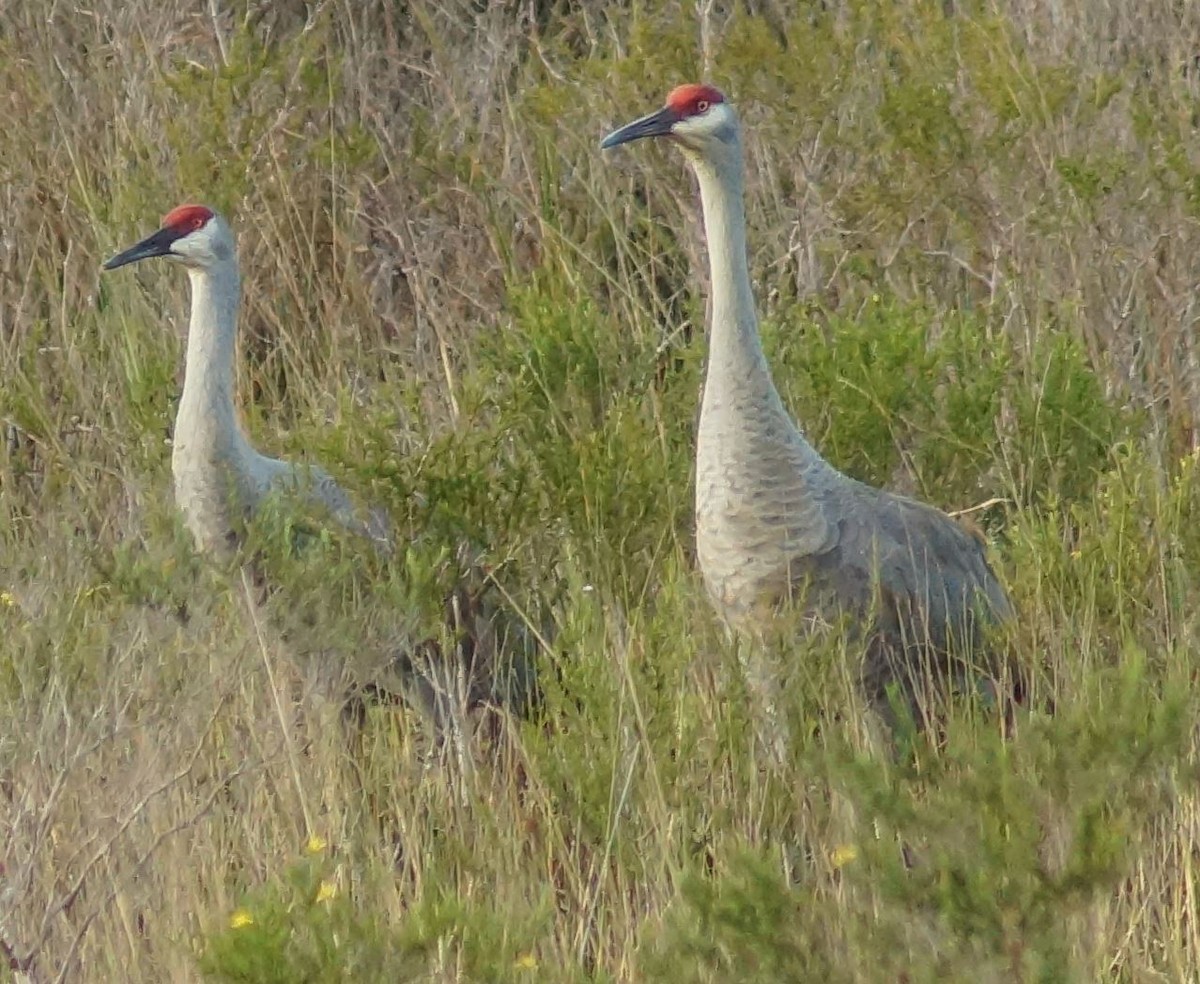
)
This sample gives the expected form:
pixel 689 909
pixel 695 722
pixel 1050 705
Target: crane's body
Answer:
pixel 775 522
pixel 221 480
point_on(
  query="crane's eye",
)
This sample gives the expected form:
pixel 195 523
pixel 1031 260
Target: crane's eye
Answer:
pixel 702 106
pixel 197 222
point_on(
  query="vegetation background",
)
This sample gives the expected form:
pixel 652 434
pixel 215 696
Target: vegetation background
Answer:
pixel 974 228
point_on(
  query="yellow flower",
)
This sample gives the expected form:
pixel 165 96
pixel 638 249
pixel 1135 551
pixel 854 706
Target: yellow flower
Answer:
pixel 526 961
pixel 7 600
pixel 315 844
pixel 240 919
pixel 843 855
pixel 327 891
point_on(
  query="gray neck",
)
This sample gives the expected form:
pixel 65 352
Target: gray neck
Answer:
pixel 737 374
pixel 206 427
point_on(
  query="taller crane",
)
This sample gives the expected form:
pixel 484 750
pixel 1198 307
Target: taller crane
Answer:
pixel 775 522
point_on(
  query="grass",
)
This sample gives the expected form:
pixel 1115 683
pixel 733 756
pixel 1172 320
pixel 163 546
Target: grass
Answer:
pixel 972 235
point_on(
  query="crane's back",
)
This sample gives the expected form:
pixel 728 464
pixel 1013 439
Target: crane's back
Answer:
pixel 917 587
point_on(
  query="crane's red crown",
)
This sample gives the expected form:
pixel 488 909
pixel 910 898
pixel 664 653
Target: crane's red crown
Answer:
pixel 692 98
pixel 187 218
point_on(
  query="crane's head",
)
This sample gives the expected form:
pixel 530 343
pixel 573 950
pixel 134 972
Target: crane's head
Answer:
pixel 193 235
pixel 695 116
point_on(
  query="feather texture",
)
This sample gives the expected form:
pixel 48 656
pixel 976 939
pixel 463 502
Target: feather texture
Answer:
pixel 776 524
pixel 221 483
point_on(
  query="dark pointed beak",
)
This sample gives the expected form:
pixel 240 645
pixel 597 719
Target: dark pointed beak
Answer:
pixel 158 244
pixel 657 124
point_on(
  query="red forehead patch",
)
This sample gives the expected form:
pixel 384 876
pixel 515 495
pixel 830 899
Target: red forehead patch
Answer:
pixel 187 217
pixel 690 98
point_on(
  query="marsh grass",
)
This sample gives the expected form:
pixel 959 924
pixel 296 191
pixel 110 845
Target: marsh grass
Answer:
pixel 973 229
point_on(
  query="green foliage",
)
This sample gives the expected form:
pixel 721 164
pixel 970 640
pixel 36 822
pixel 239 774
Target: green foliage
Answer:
pixel 159 573
pixel 315 922
pixel 1090 179
pixel 900 386
pixel 873 381
pixel 991 850
pixel 748 924
pixel 304 928
pixel 573 404
pixel 967 862
pixel 1064 426
pixel 972 241
pixel 330 591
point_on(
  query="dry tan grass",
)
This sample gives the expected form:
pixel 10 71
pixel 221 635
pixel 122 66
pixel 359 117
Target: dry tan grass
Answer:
pixel 393 171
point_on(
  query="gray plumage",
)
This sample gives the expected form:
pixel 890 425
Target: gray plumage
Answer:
pixel 221 482
pixel 775 522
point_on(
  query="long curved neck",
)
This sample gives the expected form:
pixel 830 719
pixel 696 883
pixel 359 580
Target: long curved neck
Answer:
pixel 737 374
pixel 212 462
pixel 206 425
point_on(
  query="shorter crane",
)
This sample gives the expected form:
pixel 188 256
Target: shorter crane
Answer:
pixel 221 480
pixel 775 522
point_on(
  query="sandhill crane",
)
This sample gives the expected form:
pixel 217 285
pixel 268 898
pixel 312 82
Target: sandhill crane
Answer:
pixel 220 479
pixel 775 521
